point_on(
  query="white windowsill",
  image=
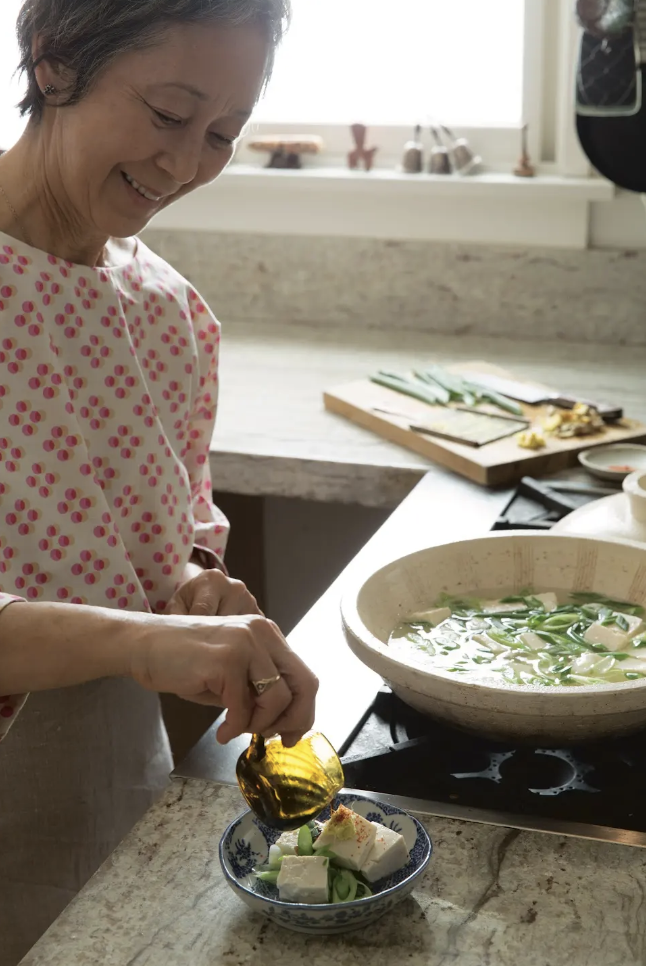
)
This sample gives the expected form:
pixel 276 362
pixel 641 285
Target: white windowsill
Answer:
pixel 496 184
pixel 492 208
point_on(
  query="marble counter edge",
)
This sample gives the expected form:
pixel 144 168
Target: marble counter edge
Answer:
pixel 266 475
pixel 487 897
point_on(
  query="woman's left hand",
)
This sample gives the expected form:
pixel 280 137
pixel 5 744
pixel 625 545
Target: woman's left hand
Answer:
pixel 212 594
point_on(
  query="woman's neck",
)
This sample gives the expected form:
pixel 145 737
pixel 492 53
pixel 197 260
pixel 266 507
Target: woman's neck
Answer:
pixel 34 209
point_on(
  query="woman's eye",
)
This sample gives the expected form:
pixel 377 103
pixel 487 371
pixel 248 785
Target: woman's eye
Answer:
pixel 167 120
pixel 222 142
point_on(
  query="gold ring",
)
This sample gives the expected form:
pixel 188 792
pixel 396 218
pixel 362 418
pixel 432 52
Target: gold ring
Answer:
pixel 265 683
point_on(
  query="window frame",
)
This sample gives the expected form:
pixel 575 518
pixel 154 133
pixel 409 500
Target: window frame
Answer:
pixel 555 209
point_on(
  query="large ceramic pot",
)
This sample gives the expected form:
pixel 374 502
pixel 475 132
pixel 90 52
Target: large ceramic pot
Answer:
pixel 492 566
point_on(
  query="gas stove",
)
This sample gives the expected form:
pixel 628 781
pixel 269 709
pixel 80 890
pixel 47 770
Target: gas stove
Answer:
pixel 596 790
pixel 593 791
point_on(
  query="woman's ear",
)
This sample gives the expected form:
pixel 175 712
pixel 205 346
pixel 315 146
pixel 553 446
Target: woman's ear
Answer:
pixel 51 76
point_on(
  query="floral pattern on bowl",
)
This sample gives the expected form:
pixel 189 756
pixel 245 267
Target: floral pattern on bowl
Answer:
pixel 245 845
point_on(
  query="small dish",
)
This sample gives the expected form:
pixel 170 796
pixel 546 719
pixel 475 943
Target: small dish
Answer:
pixel 615 461
pixel 245 845
pixel 620 517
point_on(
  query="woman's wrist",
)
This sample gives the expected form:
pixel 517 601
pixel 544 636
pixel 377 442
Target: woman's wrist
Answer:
pixel 49 645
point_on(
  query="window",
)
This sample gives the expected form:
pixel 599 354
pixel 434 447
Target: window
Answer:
pixel 400 63
pixel 481 68
pixel 11 123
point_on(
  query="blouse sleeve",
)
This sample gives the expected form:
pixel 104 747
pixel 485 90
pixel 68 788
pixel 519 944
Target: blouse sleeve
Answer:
pixel 10 704
pixel 211 526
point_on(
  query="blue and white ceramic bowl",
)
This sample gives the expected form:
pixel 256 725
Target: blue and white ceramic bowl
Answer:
pixel 245 845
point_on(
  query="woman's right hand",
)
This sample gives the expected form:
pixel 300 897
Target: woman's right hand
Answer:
pixel 215 660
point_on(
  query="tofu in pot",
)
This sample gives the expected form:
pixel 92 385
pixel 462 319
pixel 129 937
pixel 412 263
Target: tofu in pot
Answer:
pixel 435 617
pixel 304 878
pixel 288 843
pixel 533 641
pixel 609 635
pixel 387 856
pixel 635 625
pixel 549 601
pixel 489 643
pixel 349 836
pixel 498 607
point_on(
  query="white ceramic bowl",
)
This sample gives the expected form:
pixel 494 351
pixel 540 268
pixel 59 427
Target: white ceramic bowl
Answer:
pixel 620 517
pixel 491 565
pixel 603 461
pixel 245 845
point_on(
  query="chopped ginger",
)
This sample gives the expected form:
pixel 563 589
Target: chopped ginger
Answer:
pixel 341 824
pixel 581 420
pixel 531 439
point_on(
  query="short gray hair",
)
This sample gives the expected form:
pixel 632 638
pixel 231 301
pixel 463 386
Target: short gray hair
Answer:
pixel 86 35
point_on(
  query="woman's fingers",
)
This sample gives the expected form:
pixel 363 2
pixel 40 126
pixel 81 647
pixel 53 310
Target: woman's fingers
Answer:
pixel 237 699
pixel 298 716
pixel 213 594
pixel 176 607
pixel 238 600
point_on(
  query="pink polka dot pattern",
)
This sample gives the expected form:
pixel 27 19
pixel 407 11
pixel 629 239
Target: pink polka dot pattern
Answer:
pixel 108 395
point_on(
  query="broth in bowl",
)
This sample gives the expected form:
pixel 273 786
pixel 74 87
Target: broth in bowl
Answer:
pixel 539 640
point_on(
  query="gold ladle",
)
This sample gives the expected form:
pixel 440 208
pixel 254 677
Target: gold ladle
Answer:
pixel 287 787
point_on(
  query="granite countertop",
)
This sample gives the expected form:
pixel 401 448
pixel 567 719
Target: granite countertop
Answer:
pixel 274 438
pixel 490 897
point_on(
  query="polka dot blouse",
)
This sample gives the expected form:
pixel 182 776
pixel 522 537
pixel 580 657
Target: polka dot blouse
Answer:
pixel 108 391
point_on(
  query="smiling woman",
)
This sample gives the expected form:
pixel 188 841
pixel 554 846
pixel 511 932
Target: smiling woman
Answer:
pixel 131 106
pixel 111 581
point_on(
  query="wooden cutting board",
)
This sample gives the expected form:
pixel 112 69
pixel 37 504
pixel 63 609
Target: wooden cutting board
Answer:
pixel 496 464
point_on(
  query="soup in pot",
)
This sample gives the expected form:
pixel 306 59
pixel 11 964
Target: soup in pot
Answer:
pixel 538 640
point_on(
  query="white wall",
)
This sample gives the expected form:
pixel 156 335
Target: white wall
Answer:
pixel 619 224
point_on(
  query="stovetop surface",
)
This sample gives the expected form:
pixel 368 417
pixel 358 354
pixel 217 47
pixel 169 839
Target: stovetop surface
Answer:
pixel 594 790
pixel 602 785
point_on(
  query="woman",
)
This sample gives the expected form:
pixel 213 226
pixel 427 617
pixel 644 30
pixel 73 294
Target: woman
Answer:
pixel 108 366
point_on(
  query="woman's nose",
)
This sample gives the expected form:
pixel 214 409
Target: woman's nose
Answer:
pixel 182 162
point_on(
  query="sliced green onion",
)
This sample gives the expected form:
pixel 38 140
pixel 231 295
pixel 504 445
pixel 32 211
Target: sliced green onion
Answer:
pixel 344 887
pixel 305 846
pixel 363 890
pixel 271 878
pixel 408 388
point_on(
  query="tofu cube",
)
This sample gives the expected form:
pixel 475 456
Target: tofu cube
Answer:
pixel 533 641
pixel 388 854
pixel 485 641
pixel 635 625
pixel 304 878
pixel 586 662
pixel 349 836
pixel 609 635
pixel 549 601
pixel 435 616
pixel 498 607
pixel 288 842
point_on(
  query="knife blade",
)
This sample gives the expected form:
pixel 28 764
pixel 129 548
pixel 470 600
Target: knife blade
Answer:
pixel 537 396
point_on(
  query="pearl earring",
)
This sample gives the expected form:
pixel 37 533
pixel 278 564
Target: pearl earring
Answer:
pixel 49 89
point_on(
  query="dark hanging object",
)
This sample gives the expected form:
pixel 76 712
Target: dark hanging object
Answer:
pixel 605 18
pixel 611 91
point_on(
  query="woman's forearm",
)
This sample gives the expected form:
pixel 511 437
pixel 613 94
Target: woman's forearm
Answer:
pixel 49 645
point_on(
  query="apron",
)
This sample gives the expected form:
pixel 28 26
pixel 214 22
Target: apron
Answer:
pixel 78 769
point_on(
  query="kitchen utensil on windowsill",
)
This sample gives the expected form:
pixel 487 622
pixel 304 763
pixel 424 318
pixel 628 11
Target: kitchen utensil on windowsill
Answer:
pixel 413 159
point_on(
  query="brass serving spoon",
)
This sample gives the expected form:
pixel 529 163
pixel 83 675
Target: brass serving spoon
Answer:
pixel 287 787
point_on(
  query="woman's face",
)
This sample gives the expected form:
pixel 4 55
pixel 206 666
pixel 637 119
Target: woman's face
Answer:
pixel 162 121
